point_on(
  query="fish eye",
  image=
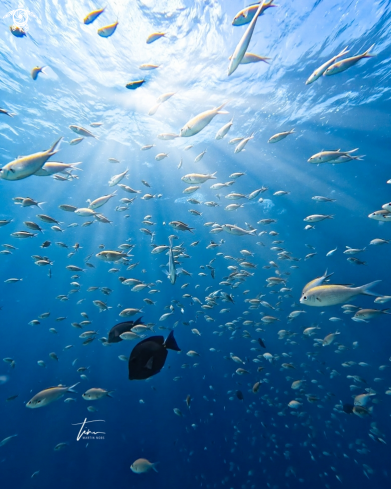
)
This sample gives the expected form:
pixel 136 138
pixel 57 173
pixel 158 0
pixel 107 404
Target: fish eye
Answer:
pixel 305 298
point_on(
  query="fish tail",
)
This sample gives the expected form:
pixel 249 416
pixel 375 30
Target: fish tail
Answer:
pixel 213 175
pixel 358 158
pixel 384 311
pixel 55 148
pixel 74 165
pixel 221 106
pixel 71 389
pixel 327 276
pixel 154 466
pixel 171 343
pixel 343 52
pixel 351 151
pixel 109 394
pixel 365 289
pixel 366 54
pixel 40 203
pixel 253 232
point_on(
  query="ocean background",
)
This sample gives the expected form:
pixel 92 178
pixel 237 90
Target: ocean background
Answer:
pixel 220 441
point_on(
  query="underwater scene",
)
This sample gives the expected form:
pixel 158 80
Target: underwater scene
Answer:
pixel 195 239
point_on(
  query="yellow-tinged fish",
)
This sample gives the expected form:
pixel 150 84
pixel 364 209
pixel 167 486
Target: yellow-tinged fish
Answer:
pixel 55 167
pixel 197 123
pixel 35 72
pixel 155 36
pixel 49 395
pixel 85 133
pixel 17 31
pixel 111 256
pixel 108 30
pixel 252 58
pixel 96 393
pixel 316 282
pixel 246 15
pixel 89 19
pixel 320 71
pixel 28 165
pixel 347 63
pixel 329 295
pixel 281 135
pixel 241 48
pixel 134 84
pixel 142 465
pixel 148 66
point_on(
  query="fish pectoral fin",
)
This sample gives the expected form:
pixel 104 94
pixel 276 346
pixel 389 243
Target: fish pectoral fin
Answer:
pixel 13 171
pixel 318 299
pixel 149 364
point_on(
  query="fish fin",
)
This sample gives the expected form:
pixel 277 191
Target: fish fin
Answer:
pixel 327 276
pixel 213 175
pixel 222 112
pixel 55 148
pixel 365 289
pixel 149 364
pixel 13 171
pixel 154 466
pixel 343 52
pixel 253 232
pixel 178 271
pixel 318 299
pixel 109 394
pixel 359 158
pixel 367 55
pixel 171 343
pixel 218 109
pixel 70 389
pixel 351 151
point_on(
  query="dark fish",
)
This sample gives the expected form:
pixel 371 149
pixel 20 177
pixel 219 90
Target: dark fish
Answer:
pixel 239 395
pixel 118 329
pixel 260 341
pixel 348 408
pixel 45 244
pixel 12 398
pixel 149 356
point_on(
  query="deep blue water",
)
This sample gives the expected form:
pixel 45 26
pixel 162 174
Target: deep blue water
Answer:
pixel 220 441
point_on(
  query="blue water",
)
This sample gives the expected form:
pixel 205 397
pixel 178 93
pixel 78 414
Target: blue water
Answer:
pixel 220 441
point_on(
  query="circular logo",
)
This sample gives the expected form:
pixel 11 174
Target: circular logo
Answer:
pixel 21 17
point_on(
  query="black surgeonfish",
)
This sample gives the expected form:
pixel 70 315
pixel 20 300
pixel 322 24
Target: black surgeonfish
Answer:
pixel 118 329
pixel 149 356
